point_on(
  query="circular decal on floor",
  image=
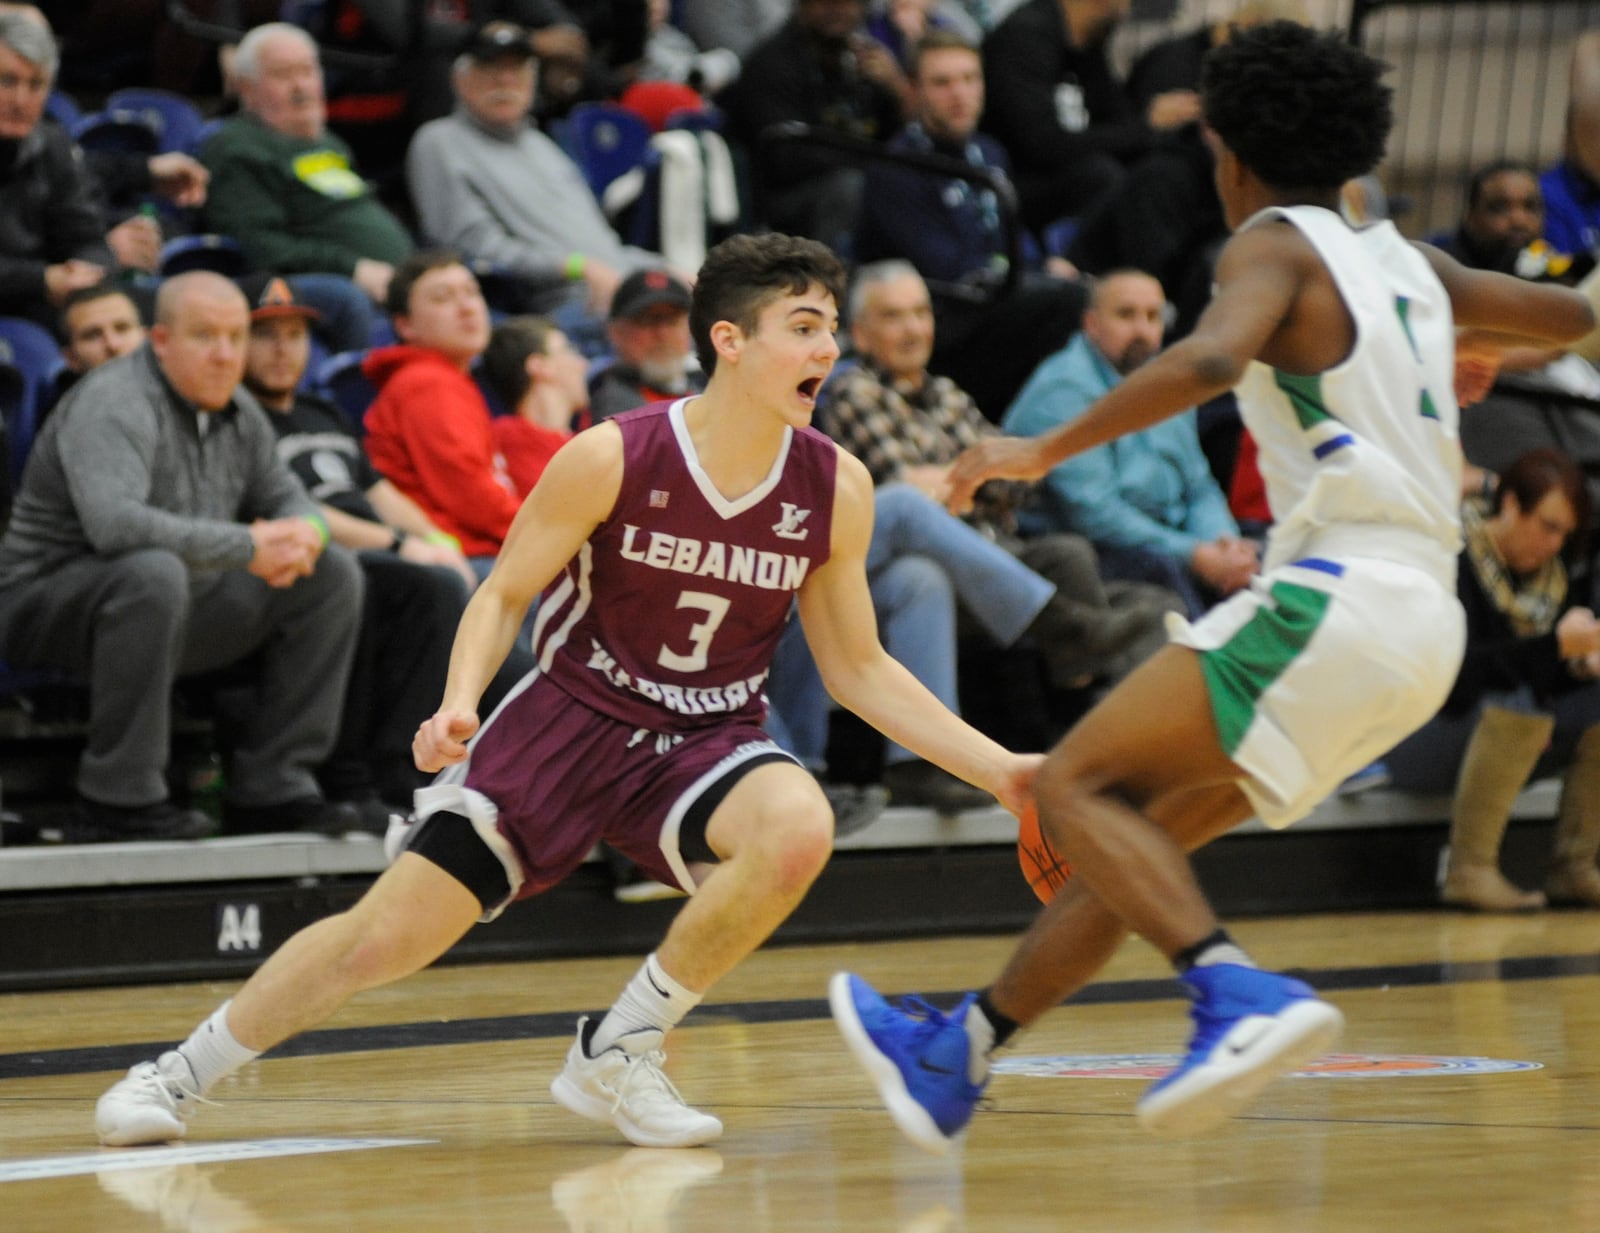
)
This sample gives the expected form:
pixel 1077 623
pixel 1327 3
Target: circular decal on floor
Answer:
pixel 1330 1066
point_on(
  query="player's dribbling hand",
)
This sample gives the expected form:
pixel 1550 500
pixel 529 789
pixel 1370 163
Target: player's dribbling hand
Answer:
pixel 1015 788
pixel 441 741
pixel 996 458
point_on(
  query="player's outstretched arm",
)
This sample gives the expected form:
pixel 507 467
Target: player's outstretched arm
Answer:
pixel 1498 310
pixel 1257 278
pixel 576 492
pixel 836 611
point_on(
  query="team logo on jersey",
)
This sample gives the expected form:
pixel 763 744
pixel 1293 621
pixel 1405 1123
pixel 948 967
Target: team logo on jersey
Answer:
pixel 658 499
pixel 788 526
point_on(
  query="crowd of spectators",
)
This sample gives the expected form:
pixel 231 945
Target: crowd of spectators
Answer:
pixel 1028 225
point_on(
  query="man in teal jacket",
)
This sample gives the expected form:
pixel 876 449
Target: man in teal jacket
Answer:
pixel 1148 501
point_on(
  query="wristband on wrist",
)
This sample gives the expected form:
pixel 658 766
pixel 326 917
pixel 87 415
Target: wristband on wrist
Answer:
pixel 575 266
pixel 399 540
pixel 320 524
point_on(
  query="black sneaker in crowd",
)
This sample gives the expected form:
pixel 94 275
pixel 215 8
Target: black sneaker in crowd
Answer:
pixel 306 813
pixel 923 784
pixel 16 832
pixel 93 822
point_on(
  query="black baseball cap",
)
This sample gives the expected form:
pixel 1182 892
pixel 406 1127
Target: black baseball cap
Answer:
pixel 272 295
pixel 645 289
pixel 500 38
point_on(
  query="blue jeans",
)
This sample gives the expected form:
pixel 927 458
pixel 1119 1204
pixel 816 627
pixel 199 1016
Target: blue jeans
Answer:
pixel 1000 592
pixel 917 624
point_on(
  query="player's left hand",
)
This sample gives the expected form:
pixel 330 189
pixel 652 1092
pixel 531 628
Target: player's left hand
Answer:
pixel 995 458
pixel 441 740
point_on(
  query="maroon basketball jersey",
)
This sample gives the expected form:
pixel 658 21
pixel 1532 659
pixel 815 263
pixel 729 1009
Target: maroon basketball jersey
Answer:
pixel 669 615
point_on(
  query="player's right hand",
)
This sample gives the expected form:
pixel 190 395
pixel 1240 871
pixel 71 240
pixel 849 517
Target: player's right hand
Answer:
pixel 994 458
pixel 442 739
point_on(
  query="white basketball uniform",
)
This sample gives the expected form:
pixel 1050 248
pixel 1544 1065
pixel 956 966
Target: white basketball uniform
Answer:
pixel 1351 636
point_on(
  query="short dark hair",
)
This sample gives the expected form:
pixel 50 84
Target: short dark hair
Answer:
pixel 1302 109
pixel 939 38
pixel 1483 175
pixel 88 295
pixel 745 273
pixel 504 359
pixel 397 303
pixel 1531 477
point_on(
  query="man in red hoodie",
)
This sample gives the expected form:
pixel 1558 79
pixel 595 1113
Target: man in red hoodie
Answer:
pixel 428 430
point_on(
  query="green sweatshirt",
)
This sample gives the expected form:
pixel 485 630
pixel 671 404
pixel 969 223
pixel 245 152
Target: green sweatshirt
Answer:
pixel 297 206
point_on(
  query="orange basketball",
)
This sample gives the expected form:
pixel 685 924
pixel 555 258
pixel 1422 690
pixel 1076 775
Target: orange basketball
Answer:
pixel 1046 872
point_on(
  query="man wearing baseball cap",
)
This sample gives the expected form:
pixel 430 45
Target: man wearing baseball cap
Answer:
pixel 488 183
pixel 649 333
pixel 417 581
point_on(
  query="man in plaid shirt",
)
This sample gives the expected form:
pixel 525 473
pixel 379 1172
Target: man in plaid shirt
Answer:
pixel 908 425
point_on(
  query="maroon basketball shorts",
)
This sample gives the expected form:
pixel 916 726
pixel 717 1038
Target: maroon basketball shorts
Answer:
pixel 548 778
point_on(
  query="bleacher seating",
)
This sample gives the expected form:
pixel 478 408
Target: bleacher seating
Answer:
pixel 126 132
pixel 219 253
pixel 36 358
pixel 341 380
pixel 176 120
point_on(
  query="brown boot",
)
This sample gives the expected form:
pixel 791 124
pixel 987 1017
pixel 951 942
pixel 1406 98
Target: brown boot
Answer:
pixel 1499 758
pixel 1574 877
pixel 1081 641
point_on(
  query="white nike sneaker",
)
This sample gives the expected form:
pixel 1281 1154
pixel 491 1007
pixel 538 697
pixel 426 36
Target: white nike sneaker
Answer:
pixel 625 1087
pixel 151 1105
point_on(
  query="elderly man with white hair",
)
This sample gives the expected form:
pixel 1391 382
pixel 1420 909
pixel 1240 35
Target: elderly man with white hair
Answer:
pixel 489 184
pixel 52 233
pixel 288 189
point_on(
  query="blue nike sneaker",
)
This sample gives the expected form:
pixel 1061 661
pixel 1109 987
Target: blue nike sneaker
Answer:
pixel 1250 1027
pixel 916 1055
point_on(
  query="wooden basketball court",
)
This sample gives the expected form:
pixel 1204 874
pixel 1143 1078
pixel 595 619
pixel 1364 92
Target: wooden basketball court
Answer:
pixel 426 1107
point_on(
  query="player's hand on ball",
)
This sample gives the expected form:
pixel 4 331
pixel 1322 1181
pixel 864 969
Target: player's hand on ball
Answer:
pixel 1015 789
pixel 442 739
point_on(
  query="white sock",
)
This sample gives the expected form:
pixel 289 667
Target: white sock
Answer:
pixel 1223 952
pixel 652 999
pixel 980 1037
pixel 212 1052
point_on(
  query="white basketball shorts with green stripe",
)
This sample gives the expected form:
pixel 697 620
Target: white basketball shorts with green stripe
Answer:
pixel 1322 666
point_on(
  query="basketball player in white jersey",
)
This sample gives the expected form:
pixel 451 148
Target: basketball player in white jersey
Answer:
pixel 1341 344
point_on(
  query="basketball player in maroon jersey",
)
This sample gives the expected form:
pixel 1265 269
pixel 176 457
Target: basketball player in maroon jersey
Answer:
pixel 665 546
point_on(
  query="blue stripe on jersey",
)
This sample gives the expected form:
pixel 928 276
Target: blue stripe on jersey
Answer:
pixel 1328 447
pixel 1320 563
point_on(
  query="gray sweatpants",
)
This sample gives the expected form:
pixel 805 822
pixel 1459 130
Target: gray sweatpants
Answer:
pixel 132 624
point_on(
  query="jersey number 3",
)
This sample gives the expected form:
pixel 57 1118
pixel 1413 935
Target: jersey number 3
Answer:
pixel 700 633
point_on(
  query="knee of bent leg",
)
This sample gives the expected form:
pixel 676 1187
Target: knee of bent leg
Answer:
pixel 1060 791
pixel 912 580
pixel 151 581
pixel 796 844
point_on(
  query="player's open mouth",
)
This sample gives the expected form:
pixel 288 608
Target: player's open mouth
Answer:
pixel 809 388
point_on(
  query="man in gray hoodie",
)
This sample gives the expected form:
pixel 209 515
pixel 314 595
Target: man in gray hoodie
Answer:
pixel 156 535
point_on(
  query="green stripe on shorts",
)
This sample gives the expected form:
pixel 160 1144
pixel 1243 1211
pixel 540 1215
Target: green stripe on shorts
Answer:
pixel 1245 667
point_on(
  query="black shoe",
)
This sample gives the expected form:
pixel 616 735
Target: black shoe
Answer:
pixel 854 808
pixel 924 784
pixel 373 813
pixel 15 833
pixel 93 822
pixel 1079 641
pixel 307 813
